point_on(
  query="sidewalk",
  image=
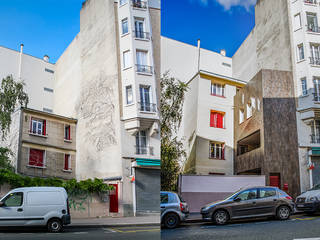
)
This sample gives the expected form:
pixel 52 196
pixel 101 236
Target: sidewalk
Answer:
pixel 153 220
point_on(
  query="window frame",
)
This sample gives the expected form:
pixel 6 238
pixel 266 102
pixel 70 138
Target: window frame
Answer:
pixel 129 87
pixel 69 162
pixel 218 86
pixel 43 158
pixel 221 148
pixel 127 63
pixel 125 20
pixel 304 86
pixel 300 58
pixel 214 123
pixel 42 129
pixel 66 138
pixel 10 195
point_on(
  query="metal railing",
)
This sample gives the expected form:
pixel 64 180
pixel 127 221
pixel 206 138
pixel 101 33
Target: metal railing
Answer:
pixel 314 29
pixel 144 69
pixel 140 4
pixel 147 107
pixel 314 61
pixel 142 35
pixel 315 139
pixel 310 1
pixel 144 150
pixel 316 97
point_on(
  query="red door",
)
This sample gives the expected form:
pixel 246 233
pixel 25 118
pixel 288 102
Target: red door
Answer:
pixel 114 204
pixel 275 181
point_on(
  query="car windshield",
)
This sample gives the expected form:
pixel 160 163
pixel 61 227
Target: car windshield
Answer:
pixel 232 195
pixel 316 187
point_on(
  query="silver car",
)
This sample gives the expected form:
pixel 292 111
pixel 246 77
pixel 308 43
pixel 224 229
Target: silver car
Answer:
pixel 251 202
pixel 309 201
pixel 173 209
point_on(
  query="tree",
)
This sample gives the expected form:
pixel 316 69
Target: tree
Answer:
pixel 12 95
pixel 171 102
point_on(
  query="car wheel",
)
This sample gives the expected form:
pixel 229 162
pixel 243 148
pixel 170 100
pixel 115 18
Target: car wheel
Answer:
pixel 54 226
pixel 171 220
pixel 220 217
pixel 283 213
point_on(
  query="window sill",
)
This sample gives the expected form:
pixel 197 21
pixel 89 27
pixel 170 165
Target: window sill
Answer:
pixel 31 166
pixel 297 29
pixel 144 73
pixel 300 61
pixel 127 68
pixel 125 34
pixel 219 128
pixel 214 95
pixel 68 141
pixel 129 105
pixel 67 171
pixel 312 65
pixel 315 33
pixel 142 39
pixel 146 112
pixel 218 159
pixel 38 135
pixel 310 4
pixel 140 9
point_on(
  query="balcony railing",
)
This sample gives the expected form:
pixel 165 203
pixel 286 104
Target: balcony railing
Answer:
pixel 144 150
pixel 314 29
pixel 315 139
pixel 316 97
pixel 315 61
pixel 147 107
pixel 142 35
pixel 139 4
pixel 310 1
pixel 144 69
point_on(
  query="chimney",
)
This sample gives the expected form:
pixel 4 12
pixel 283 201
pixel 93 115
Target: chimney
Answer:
pixel 20 61
pixel 223 52
pixel 46 58
pixel 199 43
pixel 21 48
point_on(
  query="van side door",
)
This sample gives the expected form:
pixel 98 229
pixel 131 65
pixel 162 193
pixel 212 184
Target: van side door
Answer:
pixel 12 211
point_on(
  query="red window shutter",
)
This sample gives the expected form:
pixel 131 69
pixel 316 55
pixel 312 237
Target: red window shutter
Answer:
pixel 36 157
pixel 44 127
pixel 66 162
pixel 212 119
pixel 223 147
pixel 274 181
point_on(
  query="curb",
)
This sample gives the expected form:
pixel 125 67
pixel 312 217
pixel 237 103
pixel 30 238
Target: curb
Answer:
pixel 111 225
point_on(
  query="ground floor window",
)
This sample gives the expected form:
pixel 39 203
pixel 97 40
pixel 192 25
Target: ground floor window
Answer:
pixel 67 162
pixel 216 150
pixel 36 157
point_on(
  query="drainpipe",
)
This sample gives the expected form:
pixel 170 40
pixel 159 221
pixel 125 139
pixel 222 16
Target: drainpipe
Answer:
pixel 310 172
pixel 20 61
pixel 199 43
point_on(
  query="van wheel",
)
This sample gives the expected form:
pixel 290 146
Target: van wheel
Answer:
pixel 283 213
pixel 171 220
pixel 220 217
pixel 54 225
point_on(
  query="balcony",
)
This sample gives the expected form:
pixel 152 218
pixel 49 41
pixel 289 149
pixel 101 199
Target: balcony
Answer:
pixel 315 61
pixel 144 150
pixel 316 97
pixel 313 29
pixel 140 4
pixel 142 35
pixel 144 69
pixel 315 139
pixel 147 107
pixel 310 1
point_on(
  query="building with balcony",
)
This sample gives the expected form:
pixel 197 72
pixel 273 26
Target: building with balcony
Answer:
pixel 110 74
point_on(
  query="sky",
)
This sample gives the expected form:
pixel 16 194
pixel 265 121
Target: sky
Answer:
pixel 43 26
pixel 219 24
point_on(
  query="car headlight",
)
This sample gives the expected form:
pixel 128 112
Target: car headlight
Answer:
pixel 205 209
pixel 313 199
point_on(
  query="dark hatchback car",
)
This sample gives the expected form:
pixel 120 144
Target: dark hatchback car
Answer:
pixel 251 202
pixel 309 201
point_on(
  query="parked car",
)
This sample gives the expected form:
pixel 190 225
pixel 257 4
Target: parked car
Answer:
pixel 173 209
pixel 251 202
pixel 309 201
pixel 36 206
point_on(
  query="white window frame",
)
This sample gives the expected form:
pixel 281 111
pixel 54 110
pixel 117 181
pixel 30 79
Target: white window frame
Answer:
pixel 39 123
pixel 297 21
pixel 143 150
pixel 125 20
pixel 126 59
pixel 128 102
pixel 241 116
pixel 217 150
pixel 218 89
pixel 304 86
pixel 300 55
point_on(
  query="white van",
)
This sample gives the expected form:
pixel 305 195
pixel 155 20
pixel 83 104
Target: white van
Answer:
pixel 36 206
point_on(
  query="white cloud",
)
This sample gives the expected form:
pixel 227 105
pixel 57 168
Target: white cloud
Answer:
pixel 227 4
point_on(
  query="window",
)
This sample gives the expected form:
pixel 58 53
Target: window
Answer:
pixel 241 116
pixel 217 119
pixel 67 162
pixel 126 59
pixel 216 150
pixel 312 22
pixel 38 126
pixel 124 24
pixel 145 99
pixel 316 83
pixel 48 90
pixel 300 52
pixel 139 28
pixel 67 132
pixel 267 192
pixel 258 104
pixel 164 198
pixel 122 2
pixel 297 21
pixel 13 200
pixel 141 142
pixel 142 62
pixel 249 110
pixel 36 158
pixel 315 131
pixel 217 89
pixel 304 86
pixel 248 195
pixel 129 95
pixel 315 54
pixel 242 98
pixel 253 102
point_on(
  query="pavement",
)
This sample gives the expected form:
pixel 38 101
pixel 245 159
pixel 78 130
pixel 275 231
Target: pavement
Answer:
pixel 150 220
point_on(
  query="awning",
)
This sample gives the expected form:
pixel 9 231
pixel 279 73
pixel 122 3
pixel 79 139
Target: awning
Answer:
pixel 142 162
pixel 316 151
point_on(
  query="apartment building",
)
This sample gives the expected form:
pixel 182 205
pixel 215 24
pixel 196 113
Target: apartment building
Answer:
pixel 110 73
pixel 305 41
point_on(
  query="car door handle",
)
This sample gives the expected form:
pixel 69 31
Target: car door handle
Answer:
pixel 274 200
pixel 163 207
pixel 253 202
pixel 20 210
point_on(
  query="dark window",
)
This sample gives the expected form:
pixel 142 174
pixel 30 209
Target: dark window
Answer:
pixel 248 194
pixel 13 200
pixel 67 135
pixel 267 192
pixel 164 198
pixel 48 90
pixel 49 71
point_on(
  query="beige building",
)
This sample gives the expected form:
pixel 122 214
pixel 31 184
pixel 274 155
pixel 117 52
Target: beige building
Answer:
pixel 47 145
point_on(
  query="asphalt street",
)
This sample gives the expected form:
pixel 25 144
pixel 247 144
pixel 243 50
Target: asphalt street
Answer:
pixel 119 233
pixel 302 227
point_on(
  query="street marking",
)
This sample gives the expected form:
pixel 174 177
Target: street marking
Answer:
pixel 209 227
pixel 106 230
pixel 307 239
pixel 234 225
pixel 80 233
pixel 261 223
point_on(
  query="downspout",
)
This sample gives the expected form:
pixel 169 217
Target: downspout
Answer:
pixel 20 62
pixel 310 171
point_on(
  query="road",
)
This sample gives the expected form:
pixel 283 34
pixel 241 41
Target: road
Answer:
pixel 298 227
pixel 119 233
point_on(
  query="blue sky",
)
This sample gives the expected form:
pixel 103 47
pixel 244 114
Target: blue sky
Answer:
pixel 220 24
pixel 43 26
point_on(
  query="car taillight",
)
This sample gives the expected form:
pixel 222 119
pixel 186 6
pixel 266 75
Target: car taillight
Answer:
pixel 288 197
pixel 68 209
pixel 182 207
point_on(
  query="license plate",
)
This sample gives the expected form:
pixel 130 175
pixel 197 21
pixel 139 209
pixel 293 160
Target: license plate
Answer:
pixel 300 205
